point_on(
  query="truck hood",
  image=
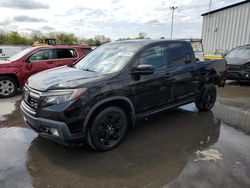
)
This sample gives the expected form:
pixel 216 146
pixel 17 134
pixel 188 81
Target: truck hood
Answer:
pixel 237 61
pixel 62 78
pixel 4 63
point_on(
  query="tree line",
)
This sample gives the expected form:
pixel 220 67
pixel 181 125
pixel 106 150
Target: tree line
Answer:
pixel 15 38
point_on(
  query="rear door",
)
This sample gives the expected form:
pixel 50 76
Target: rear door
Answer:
pixel 65 56
pixel 38 61
pixel 181 69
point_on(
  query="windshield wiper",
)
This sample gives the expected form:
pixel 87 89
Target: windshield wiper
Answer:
pixel 88 70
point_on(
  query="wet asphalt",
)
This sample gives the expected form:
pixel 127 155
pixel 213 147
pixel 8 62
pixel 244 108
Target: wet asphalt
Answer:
pixel 161 151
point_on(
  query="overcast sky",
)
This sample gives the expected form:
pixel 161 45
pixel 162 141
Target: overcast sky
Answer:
pixel 112 18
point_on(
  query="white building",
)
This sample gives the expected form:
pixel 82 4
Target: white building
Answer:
pixel 226 28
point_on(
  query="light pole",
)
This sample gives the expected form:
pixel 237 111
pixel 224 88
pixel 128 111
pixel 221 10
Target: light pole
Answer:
pixel 172 24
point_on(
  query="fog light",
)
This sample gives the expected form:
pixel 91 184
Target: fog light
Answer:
pixel 247 75
pixel 54 131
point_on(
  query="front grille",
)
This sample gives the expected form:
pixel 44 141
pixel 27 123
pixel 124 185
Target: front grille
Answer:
pixel 31 98
pixel 234 67
pixel 33 102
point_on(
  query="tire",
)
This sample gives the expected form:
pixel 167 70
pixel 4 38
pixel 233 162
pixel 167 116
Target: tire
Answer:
pixel 8 87
pixel 207 98
pixel 108 129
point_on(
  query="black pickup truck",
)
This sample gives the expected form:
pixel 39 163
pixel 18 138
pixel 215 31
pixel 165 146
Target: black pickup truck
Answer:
pixel 97 98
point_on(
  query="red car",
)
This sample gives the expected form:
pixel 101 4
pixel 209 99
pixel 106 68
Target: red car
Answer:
pixel 15 71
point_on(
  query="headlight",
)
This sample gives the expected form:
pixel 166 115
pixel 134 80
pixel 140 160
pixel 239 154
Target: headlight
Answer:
pixel 61 96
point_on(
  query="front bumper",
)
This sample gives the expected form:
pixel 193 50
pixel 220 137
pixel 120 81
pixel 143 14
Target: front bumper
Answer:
pixel 42 126
pixel 238 75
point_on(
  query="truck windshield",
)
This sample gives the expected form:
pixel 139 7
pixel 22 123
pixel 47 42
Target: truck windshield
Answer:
pixel 20 54
pixel 109 58
pixel 239 53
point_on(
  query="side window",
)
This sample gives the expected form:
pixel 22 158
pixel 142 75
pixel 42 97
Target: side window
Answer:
pixel 66 53
pixel 40 55
pixel 177 54
pixel 1 51
pixel 156 56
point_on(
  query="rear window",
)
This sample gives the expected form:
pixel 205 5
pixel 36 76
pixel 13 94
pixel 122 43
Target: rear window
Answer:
pixel 86 50
pixel 66 53
pixel 197 46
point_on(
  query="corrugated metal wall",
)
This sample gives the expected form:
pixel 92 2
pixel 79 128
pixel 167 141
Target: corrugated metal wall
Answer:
pixel 226 29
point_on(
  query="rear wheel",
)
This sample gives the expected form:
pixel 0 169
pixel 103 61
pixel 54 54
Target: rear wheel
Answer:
pixel 8 87
pixel 207 98
pixel 108 129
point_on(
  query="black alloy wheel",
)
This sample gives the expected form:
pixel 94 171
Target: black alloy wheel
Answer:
pixel 108 129
pixel 206 100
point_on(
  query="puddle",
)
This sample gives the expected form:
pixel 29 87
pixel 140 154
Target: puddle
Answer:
pixel 234 116
pixel 189 107
pixel 157 152
pixel 232 171
pixel 208 155
pixel 14 145
pixel 12 117
pixel 7 106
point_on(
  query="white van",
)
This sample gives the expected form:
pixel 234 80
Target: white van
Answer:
pixel 8 51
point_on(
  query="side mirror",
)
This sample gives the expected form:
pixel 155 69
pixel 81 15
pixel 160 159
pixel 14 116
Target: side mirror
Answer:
pixel 27 60
pixel 143 69
pixel 28 66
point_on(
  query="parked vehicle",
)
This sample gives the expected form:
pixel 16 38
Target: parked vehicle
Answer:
pixel 97 98
pixel 8 51
pixel 15 71
pixel 238 60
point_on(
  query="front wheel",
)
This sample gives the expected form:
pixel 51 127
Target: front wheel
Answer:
pixel 8 87
pixel 108 129
pixel 207 98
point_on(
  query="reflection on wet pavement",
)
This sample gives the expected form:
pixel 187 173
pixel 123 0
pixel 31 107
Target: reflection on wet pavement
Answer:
pixel 14 144
pixel 154 153
pixel 7 106
pixel 233 116
pixel 233 171
pixel 158 152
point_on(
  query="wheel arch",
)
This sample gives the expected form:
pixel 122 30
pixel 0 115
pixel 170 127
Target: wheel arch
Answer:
pixel 13 76
pixel 212 79
pixel 119 101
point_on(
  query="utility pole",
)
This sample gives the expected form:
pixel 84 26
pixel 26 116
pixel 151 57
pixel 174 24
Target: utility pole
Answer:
pixel 172 24
pixel 210 4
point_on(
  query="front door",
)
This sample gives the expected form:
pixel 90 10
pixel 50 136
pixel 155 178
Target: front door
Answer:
pixel 154 91
pixel 38 61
